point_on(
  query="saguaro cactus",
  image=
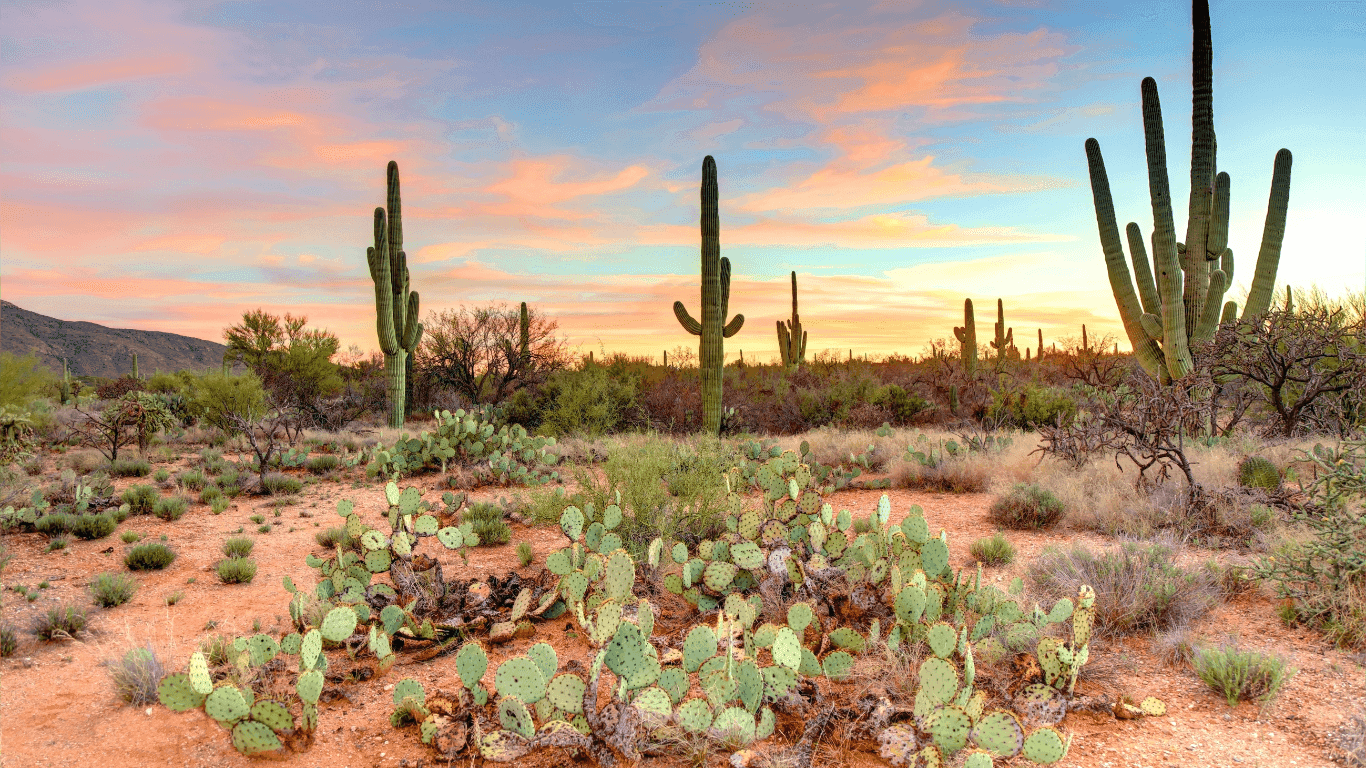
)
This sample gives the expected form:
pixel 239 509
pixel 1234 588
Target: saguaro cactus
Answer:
pixel 1183 305
pixel 135 365
pixel 967 337
pixel 791 337
pixel 715 299
pixel 1040 356
pixel 524 341
pixel 66 383
pixel 1004 336
pixel 395 306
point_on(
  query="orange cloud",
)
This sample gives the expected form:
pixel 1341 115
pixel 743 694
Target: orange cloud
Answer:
pixel 100 73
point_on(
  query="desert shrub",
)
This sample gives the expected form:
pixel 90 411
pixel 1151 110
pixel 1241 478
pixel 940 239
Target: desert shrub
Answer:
pixel 1175 647
pixel 904 405
pixel 84 462
pixel 93 526
pixel 58 542
pixel 1031 406
pixel 192 479
pixel 239 547
pixel 9 641
pixel 149 556
pixel 210 494
pixel 587 402
pixel 112 589
pixel 1324 578
pixel 218 505
pixel 488 522
pixel 993 550
pixel 170 508
pixel 278 483
pixel 321 465
pixel 331 537
pixel 1027 506
pixel 137 675
pixel 61 621
pixel 1241 675
pixel 128 537
pixel 236 570
pixel 959 474
pixel 141 499
pixel 127 467
pixel 525 555
pixel 1138 587
pixel 217 650
pixel 54 524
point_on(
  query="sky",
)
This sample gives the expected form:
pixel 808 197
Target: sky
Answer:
pixel 171 166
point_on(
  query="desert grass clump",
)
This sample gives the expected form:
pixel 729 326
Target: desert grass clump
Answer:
pixel 321 465
pixel 128 537
pixel 525 554
pixel 90 527
pixel 193 480
pixel 1175 647
pixel 9 641
pixel 993 550
pixel 58 542
pixel 1138 587
pixel 54 524
pixel 331 537
pixel 141 499
pixel 238 547
pixel 127 467
pixel 137 675
pixel 489 523
pixel 236 570
pixel 170 508
pixel 149 556
pixel 64 621
pixel 84 462
pixel 110 590
pixel 281 484
pixel 958 474
pixel 218 506
pixel 1027 506
pixel 1242 675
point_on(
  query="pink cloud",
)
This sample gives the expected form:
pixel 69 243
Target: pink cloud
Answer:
pixel 99 73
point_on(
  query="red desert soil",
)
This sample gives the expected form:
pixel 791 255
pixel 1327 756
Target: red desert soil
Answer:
pixel 60 707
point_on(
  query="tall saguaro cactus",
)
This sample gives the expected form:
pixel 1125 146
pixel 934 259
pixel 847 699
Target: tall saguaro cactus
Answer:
pixel 1183 304
pixel 1004 336
pixel 524 341
pixel 715 299
pixel 395 307
pixel 967 337
pixel 791 337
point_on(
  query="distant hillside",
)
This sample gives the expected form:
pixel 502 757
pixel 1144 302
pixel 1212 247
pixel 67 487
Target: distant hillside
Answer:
pixel 94 350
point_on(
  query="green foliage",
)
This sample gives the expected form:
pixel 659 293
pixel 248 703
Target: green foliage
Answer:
pixel 55 524
pixel 236 570
pixel 1324 577
pixel 216 396
pixel 63 620
pixel 112 589
pixel 993 550
pixel 588 402
pixel 525 555
pixel 141 499
pixel 169 508
pixel 1241 675
pixel 488 523
pixel 1027 506
pixel 239 547
pixel 904 405
pixel 21 379
pixel 321 465
pixel 1257 472
pixel 127 467
pixel 93 526
pixel 281 484
pixel 1032 406
pixel 9 641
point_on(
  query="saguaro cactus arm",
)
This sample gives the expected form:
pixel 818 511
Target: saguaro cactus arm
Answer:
pixel 1273 234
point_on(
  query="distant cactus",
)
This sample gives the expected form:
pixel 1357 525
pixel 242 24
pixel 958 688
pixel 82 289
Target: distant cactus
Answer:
pixel 791 337
pixel 1257 472
pixel 1183 305
pixel 712 327
pixel 135 365
pixel 967 337
pixel 1005 337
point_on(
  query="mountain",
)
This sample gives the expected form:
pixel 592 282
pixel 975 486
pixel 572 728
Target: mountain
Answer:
pixel 94 350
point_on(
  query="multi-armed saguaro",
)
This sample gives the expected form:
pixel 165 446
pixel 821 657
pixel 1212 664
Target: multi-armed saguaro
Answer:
pixel 967 337
pixel 1183 305
pixel 395 305
pixel 1005 337
pixel 791 337
pixel 715 298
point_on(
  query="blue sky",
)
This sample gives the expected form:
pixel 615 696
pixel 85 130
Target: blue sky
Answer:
pixel 172 165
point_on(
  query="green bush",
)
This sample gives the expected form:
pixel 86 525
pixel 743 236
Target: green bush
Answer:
pixel 192 479
pixel 141 499
pixel 63 620
pixel 9 641
pixel 240 547
pixel 903 405
pixel 525 555
pixel 127 467
pixel 169 508
pixel 236 570
pixel 321 465
pixel 489 523
pixel 149 556
pixel 129 537
pixel 994 550
pixel 58 542
pixel 112 589
pixel 1026 506
pixel 93 526
pixel 55 524
pixel 1033 405
pixel 210 494
pixel 1241 675
pixel 588 402
pixel 331 537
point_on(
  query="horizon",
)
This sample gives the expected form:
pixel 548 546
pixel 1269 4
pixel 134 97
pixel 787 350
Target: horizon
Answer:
pixel 898 159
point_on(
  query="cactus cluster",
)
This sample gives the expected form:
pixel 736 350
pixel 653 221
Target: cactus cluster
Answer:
pixel 791 337
pixel 511 453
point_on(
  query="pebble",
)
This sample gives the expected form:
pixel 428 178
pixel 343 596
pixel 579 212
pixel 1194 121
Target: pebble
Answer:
pixel 149 711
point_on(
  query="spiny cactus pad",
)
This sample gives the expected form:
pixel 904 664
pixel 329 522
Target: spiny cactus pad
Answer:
pixel 1257 472
pixel 938 680
pixel 200 681
pixel 520 676
pixel 177 695
pixel 226 705
pixel 309 686
pixel 253 738
pixel 999 733
pixel 544 656
pixel 566 693
pixel 694 715
pixel 942 639
pixel 799 617
pixel 734 722
pixel 699 646
pixel 471 663
pixel 1045 746
pixel 513 714
pixel 897 745
pixel 838 665
pixel 338 624
pixel 949 727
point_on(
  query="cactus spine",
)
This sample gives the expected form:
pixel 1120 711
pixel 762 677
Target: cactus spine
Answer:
pixel 967 337
pixel 715 300
pixel 395 306
pixel 1183 305
pixel 791 337
pixel 1004 336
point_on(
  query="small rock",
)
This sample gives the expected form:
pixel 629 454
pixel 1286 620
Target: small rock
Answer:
pixel 388 687
pixel 149 712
